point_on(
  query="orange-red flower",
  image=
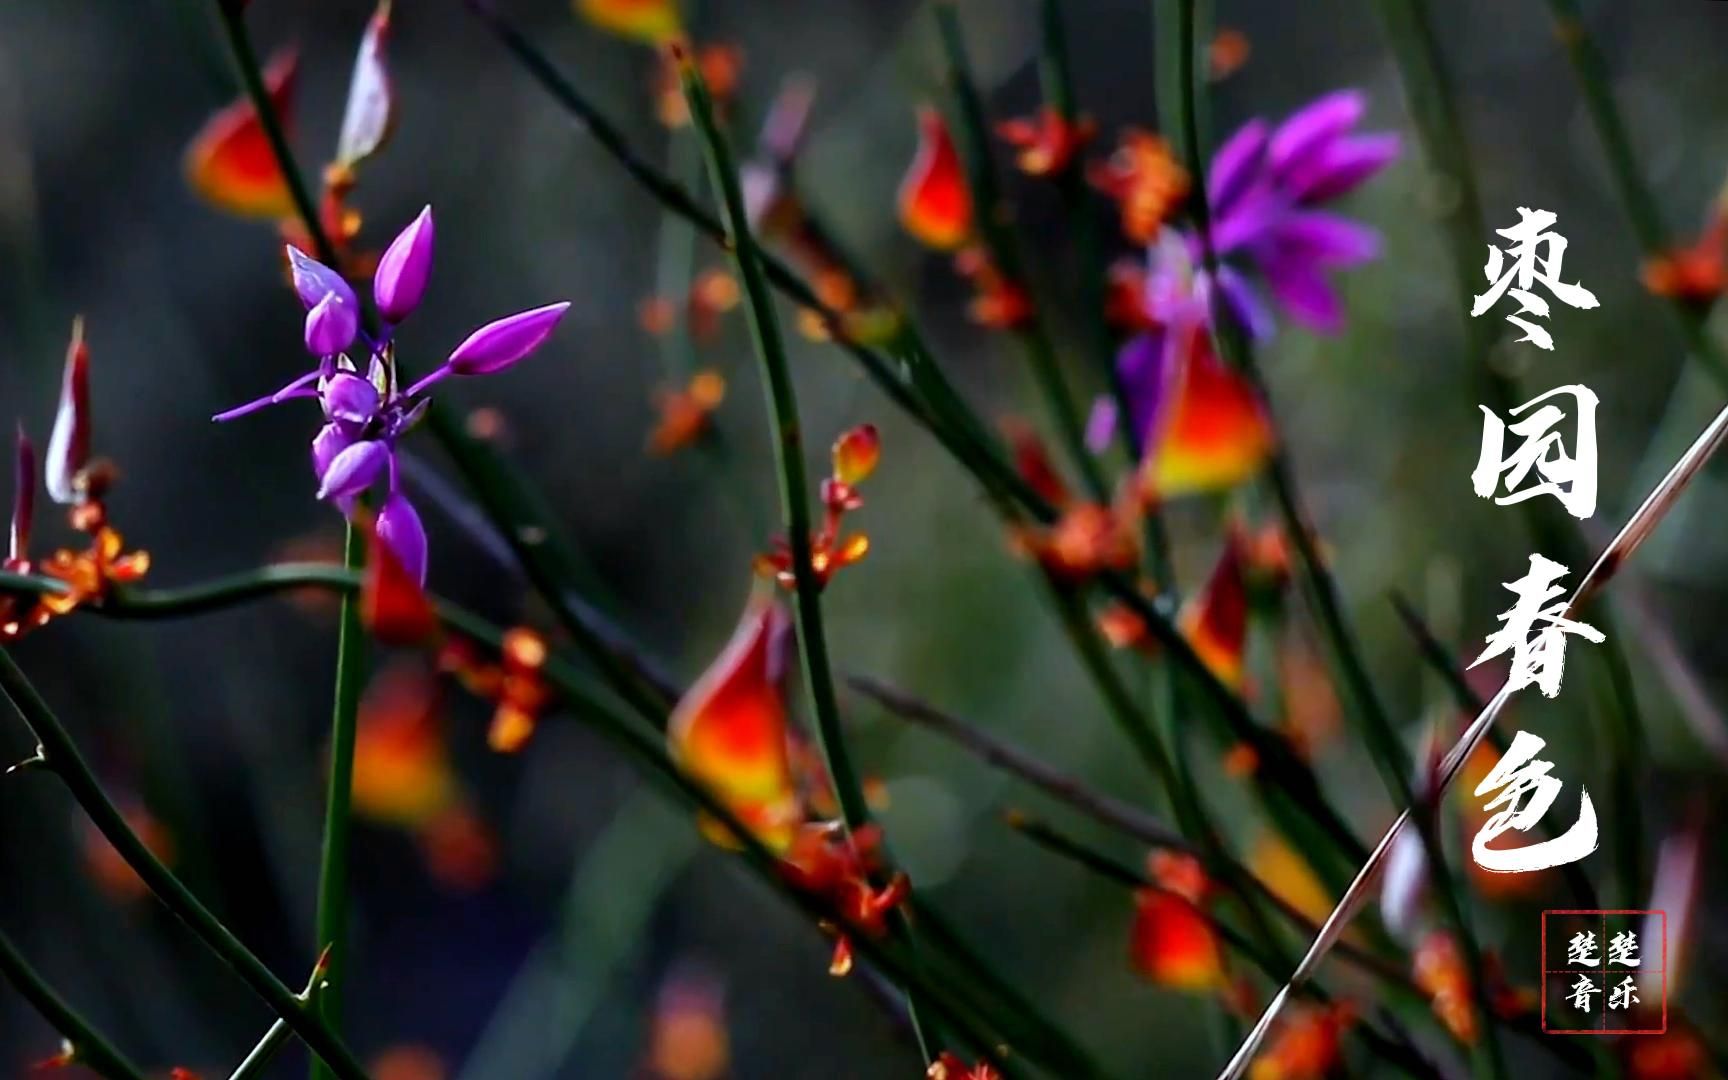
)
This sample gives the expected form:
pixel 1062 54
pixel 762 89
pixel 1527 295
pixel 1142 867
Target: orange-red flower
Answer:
pixel 230 163
pixel 1048 142
pixel 1211 433
pixel 1695 273
pixel 402 770
pixel 514 684
pixel 855 455
pixel 1174 943
pixel 408 1061
pixel 1145 181
pixel 935 201
pixel 839 868
pixel 685 414
pixel 729 731
pixel 653 22
pixel 1228 51
pixel 687 1037
pixel 1215 620
pixel 1289 877
pixel 948 1066
pixel 999 302
pixel 392 604
pixel 1307 1045
pixel 110 869
pixel 1087 538
pixel 1440 972
pixel 1677 1054
pixel 721 65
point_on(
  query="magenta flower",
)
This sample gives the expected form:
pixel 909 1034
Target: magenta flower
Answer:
pixel 1265 188
pixel 364 414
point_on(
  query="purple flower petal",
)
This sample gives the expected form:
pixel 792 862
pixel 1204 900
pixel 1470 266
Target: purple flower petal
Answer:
pixel 1243 304
pixel 313 281
pixel 1342 166
pixel 1306 294
pixel 1236 163
pixel 331 326
pixel 1142 364
pixel 330 441
pixel 1101 424
pixel 1324 240
pixel 1257 211
pixel 353 470
pixel 399 527
pixel 497 345
pixel 349 398
pixel 1310 129
pixel 400 279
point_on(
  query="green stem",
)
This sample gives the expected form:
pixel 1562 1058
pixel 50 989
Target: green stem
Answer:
pixel 1388 752
pixel 332 925
pixel 794 493
pixel 58 753
pixel 89 1047
pixel 991 215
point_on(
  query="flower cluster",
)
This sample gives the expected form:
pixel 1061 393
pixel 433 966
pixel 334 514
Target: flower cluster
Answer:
pixel 855 455
pixel 826 862
pixel 365 410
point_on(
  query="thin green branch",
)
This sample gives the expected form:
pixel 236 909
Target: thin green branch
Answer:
pixel 1388 752
pixel 88 1047
pixel 58 754
pixel 277 1035
pixel 991 217
pixel 794 491
pixel 333 900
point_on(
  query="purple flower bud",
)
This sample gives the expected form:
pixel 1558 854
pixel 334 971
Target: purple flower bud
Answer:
pixel 353 470
pixel 399 527
pixel 349 398
pixel 69 441
pixel 23 499
pixel 330 441
pixel 331 326
pixel 499 344
pixel 400 279
pixel 314 281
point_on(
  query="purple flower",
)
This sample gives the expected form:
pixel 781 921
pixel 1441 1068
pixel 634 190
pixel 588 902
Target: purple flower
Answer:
pixel 400 279
pixel 364 411
pixel 1265 188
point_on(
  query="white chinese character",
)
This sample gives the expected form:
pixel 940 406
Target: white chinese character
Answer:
pixel 1569 477
pixel 1581 991
pixel 1530 791
pixel 1623 949
pixel 1581 950
pixel 1625 995
pixel 1536 255
pixel 1537 659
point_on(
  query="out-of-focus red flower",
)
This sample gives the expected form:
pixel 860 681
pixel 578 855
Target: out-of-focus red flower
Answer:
pixel 110 870
pixel 402 770
pixel 1677 1054
pixel 687 1038
pixel 1048 142
pixel 460 849
pixel 1145 181
pixel 230 163
pixel 685 413
pixel 652 22
pixel 948 1066
pixel 1125 298
pixel 729 731
pixel 1695 273
pixel 720 64
pixel 514 684
pixel 1213 434
pixel 935 201
pixel 1228 51
pixel 1307 1046
pixel 1440 972
pixel 999 302
pixel 714 293
pixel 1287 874
pixel 1215 621
pixel 393 606
pixel 824 861
pixel 410 1061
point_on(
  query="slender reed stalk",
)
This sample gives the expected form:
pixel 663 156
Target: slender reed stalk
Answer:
pixel 1643 521
pixel 333 900
pixel 794 490
pixel 57 753
pixel 1033 334
pixel 88 1047
pixel 276 1037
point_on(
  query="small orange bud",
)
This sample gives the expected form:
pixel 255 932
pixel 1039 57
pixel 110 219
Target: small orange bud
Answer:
pixel 1146 182
pixel 652 22
pixel 856 454
pixel 1174 943
pixel 1047 142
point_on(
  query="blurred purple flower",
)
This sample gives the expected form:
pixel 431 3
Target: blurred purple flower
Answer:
pixel 1265 187
pixel 366 413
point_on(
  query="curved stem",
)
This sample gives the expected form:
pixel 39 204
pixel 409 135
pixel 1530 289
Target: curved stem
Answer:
pixel 60 755
pixel 332 923
pixel 88 1046
pixel 794 492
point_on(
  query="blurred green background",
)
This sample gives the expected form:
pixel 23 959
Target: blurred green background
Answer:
pixel 217 723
